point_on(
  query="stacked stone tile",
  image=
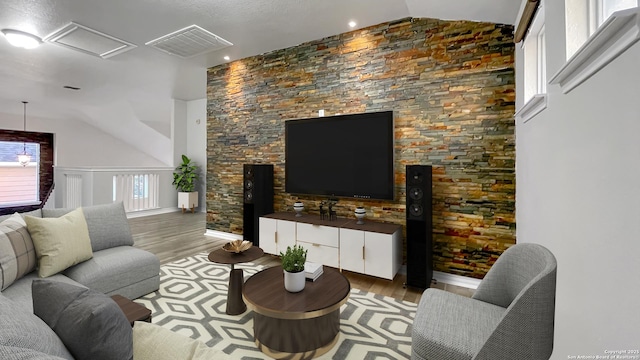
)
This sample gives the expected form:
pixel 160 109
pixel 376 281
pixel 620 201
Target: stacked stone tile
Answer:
pixel 451 85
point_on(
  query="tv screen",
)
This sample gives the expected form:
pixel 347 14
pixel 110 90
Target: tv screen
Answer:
pixel 342 156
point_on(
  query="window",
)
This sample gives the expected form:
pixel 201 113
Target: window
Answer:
pixel 583 18
pixel 137 191
pixel 19 184
pixel 597 31
pixel 535 68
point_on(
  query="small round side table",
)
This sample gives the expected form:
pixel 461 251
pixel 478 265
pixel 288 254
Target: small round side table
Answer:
pixel 235 304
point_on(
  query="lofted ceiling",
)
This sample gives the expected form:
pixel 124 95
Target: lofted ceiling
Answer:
pixel 132 91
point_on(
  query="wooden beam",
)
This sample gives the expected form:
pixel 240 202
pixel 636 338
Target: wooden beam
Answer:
pixel 530 9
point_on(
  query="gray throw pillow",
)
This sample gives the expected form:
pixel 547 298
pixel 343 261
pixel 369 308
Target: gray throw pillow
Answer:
pixel 89 323
pixel 108 224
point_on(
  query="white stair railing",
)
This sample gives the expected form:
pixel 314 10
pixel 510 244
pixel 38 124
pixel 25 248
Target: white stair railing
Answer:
pixel 73 198
pixel 137 191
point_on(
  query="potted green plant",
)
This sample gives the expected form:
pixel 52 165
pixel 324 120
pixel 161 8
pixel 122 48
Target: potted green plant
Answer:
pixel 293 261
pixel 185 178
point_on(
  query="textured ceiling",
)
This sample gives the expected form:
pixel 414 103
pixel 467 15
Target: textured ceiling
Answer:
pixel 137 86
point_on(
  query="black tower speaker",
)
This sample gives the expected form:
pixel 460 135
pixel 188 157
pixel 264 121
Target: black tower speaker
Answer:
pixel 419 222
pixel 258 198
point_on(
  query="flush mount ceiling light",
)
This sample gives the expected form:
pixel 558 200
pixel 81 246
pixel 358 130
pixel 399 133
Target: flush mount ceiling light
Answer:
pixel 21 39
pixel 352 24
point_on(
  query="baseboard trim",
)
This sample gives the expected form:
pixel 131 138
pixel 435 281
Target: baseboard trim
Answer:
pixel 223 235
pixel 457 280
pixel 141 213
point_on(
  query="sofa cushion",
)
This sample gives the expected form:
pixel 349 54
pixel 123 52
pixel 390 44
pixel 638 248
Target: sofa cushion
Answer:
pixel 20 291
pixel 450 326
pixel 18 353
pixel 112 269
pixel 60 242
pixel 21 329
pixel 108 224
pixel 153 342
pixel 17 253
pixel 89 323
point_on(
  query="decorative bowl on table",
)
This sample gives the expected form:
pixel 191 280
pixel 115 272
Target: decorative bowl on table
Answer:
pixel 237 246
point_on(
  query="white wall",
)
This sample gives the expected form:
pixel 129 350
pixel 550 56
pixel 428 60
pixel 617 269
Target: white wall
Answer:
pixel 80 144
pixel 578 192
pixel 179 130
pixel 189 134
pixel 196 126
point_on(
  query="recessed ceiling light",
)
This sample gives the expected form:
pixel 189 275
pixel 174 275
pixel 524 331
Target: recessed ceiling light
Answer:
pixel 352 24
pixel 21 39
pixel 227 58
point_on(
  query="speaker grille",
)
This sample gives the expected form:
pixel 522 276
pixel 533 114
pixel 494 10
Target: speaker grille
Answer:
pixel 415 193
pixel 416 210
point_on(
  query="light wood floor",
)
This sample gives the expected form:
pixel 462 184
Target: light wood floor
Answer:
pixel 174 236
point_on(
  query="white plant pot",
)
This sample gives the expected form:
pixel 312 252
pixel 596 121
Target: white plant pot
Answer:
pixel 294 282
pixel 188 200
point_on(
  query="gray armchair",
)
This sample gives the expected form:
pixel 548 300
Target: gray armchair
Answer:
pixel 510 316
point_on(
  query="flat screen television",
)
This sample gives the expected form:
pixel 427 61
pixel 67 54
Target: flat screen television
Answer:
pixel 343 156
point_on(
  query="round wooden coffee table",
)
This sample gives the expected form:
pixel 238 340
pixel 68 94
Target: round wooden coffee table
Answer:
pixel 235 305
pixel 300 325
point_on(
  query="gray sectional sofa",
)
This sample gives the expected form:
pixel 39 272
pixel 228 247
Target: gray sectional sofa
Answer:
pixel 115 267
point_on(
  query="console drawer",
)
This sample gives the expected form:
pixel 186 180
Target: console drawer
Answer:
pixel 321 254
pixel 318 234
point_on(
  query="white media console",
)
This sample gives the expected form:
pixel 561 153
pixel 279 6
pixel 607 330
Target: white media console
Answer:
pixel 371 248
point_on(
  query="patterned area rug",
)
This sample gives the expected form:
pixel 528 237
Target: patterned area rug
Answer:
pixel 192 301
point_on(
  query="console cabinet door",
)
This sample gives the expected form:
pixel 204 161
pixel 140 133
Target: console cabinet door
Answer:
pixel 285 235
pixel 267 235
pixel 352 250
pixel 378 255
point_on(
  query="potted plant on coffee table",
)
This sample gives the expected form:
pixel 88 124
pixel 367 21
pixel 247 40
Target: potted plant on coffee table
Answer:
pixel 185 178
pixel 293 265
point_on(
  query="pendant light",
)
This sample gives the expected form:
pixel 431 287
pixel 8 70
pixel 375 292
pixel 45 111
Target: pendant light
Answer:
pixel 24 158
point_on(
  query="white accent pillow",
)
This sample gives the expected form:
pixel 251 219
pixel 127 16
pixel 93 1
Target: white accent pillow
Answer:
pixel 153 342
pixel 60 242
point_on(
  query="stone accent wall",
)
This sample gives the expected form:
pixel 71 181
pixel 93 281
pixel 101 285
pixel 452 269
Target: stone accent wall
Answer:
pixel 451 85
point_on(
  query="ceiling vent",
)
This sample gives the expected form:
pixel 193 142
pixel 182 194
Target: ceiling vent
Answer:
pixel 190 41
pixel 89 41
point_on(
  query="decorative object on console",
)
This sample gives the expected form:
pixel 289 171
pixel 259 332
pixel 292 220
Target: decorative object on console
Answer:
pixel 185 178
pixel 332 213
pixel 237 246
pixel 298 206
pixel 293 262
pixel 323 211
pixel 360 213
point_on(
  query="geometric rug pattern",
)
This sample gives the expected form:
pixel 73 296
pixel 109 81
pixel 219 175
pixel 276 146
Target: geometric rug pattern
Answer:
pixel 192 299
